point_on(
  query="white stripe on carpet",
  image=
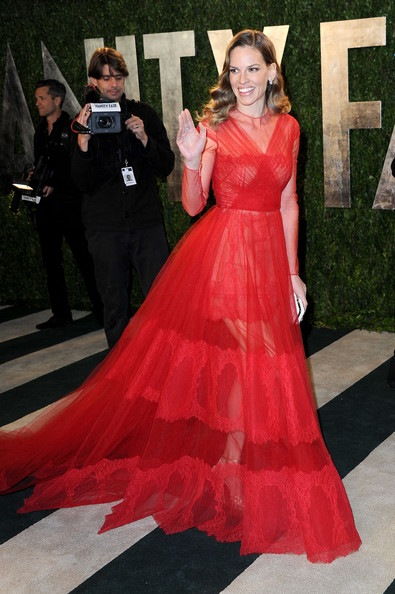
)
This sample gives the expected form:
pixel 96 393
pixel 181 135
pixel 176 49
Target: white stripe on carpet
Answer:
pixel 371 490
pixel 347 360
pixel 63 550
pixel 25 369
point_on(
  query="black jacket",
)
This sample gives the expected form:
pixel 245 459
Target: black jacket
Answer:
pixel 108 204
pixel 52 159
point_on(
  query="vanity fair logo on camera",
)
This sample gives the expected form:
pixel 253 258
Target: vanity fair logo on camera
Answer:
pixel 105 107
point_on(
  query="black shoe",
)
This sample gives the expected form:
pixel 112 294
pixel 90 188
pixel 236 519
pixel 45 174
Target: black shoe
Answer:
pixel 54 322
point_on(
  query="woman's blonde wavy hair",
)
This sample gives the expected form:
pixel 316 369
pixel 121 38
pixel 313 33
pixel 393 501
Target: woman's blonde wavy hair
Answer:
pixel 223 99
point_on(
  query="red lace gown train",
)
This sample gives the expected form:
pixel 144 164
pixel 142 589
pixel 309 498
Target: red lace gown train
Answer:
pixel 202 415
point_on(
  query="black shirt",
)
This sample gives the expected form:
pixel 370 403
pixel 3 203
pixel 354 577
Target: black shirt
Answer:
pixel 108 204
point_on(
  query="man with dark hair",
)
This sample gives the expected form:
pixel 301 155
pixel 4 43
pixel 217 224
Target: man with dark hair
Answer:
pixel 121 207
pixel 58 214
pixel 107 56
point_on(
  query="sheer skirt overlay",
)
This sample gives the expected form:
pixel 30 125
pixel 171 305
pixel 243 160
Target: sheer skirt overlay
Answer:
pixel 203 414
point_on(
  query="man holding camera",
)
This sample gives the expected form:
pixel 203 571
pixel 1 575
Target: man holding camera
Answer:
pixel 117 173
pixel 58 214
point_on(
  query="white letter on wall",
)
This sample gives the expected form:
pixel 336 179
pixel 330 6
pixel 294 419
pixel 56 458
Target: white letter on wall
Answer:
pixel 127 46
pixel 338 114
pixel 15 113
pixel 169 48
pixel 385 195
pixel 51 70
pixel 219 40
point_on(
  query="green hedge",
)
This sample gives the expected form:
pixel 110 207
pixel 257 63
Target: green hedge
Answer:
pixel 346 254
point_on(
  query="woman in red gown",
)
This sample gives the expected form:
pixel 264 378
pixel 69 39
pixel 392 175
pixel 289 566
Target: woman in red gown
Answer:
pixel 203 414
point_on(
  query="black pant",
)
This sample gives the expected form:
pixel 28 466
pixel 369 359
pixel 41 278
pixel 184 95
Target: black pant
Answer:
pixel 114 253
pixel 55 223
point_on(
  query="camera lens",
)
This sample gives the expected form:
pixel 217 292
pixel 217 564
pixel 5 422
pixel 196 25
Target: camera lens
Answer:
pixel 104 122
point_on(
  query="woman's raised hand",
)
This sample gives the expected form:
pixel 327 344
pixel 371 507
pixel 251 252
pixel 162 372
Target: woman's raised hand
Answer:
pixel 190 141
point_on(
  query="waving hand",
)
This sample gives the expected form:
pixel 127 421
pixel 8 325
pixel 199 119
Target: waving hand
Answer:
pixel 190 141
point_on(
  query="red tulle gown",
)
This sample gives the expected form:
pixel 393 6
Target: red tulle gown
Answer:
pixel 203 415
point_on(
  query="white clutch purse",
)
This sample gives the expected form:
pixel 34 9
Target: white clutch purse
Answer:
pixel 299 308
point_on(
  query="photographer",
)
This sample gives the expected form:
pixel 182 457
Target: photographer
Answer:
pixel 117 174
pixel 58 214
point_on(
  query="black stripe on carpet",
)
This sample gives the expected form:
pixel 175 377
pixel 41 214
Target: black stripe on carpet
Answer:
pixel 390 589
pixel 315 339
pixel 358 420
pixel 30 343
pixel 49 388
pixel 16 311
pixel 187 563
pixel 13 523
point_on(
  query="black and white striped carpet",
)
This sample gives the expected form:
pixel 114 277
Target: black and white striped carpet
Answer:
pixel 60 552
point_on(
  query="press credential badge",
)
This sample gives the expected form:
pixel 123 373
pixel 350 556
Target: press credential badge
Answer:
pixel 128 176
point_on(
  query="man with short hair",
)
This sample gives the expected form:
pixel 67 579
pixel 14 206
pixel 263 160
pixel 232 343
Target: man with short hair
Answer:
pixel 121 208
pixel 58 214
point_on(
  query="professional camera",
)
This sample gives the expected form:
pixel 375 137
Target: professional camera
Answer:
pixel 105 118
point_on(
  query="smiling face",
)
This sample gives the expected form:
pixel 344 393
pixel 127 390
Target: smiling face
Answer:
pixel 248 77
pixel 111 84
